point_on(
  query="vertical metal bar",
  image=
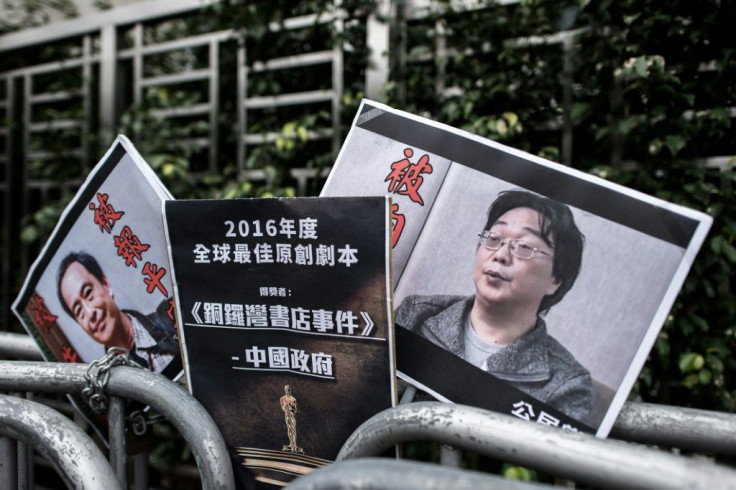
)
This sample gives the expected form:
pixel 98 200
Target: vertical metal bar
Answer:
pixel 214 102
pixel 25 164
pixel 8 463
pixel 450 456
pixel 116 415
pixel 567 47
pixel 440 59
pixel 337 81
pixel 86 100
pixel 400 27
pixel 24 471
pixel 137 63
pixel 24 455
pixel 10 189
pixel 241 105
pixel 108 77
pixel 377 39
pixel 408 396
pixel 140 471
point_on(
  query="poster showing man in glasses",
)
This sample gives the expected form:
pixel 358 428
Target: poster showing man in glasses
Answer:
pixel 527 258
pixel 520 285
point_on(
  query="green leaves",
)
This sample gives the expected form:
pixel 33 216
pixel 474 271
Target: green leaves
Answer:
pixel 690 362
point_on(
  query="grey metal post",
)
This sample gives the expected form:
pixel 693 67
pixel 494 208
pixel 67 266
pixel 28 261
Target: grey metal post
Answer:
pixel 166 397
pixel 108 77
pixel 20 346
pixel 686 428
pixel 450 456
pixel 584 458
pixel 118 459
pixel 409 393
pixel 379 474
pixel 8 463
pixel 78 461
pixel 140 471
pixel 377 34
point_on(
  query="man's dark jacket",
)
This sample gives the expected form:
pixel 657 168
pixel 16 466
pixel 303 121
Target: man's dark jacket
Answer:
pixel 535 363
pixel 160 327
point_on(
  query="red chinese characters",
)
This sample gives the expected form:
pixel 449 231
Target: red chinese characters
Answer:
pixel 105 214
pixel 69 355
pixel 130 247
pixel 153 281
pixel 127 243
pixel 406 178
pixel 41 314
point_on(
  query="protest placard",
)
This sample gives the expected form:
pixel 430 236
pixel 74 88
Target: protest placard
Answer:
pixel 521 285
pixel 285 309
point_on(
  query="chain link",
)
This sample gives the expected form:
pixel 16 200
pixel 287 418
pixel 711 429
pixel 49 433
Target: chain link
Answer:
pixel 98 374
pixel 139 422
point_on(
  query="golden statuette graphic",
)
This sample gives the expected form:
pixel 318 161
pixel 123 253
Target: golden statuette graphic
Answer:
pixel 288 405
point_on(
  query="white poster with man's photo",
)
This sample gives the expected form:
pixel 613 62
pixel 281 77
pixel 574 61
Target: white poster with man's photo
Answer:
pixel 522 286
pixel 102 280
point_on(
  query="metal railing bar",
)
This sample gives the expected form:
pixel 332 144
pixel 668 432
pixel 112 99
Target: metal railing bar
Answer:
pixel 419 10
pixel 380 474
pixel 77 459
pixel 693 429
pixel 8 463
pixel 116 422
pixel 295 61
pixel 48 155
pixel 577 456
pixel 190 143
pixel 20 346
pixel 54 96
pixel 167 398
pixel 450 456
pixel 663 425
pixel 140 471
pixel 50 67
pixel 305 21
pixel 270 137
pixel 302 176
pixel 45 184
pixel 193 110
pixel 188 76
pixel 188 42
pixel 93 22
pixel 53 125
pixel 289 99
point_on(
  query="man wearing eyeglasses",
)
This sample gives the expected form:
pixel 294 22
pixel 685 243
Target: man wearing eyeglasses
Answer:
pixel 528 257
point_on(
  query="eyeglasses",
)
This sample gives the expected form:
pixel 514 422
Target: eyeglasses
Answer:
pixel 518 248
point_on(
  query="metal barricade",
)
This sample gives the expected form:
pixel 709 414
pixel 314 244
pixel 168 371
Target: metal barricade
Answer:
pixel 75 457
pixel 581 457
pixel 167 398
pixel 607 464
pixel 380 474
pixel 685 428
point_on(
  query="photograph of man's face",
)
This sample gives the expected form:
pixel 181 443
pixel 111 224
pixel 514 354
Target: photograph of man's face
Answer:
pixel 89 300
pixel 514 265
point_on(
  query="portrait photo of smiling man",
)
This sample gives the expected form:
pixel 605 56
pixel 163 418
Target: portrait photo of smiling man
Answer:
pixel 86 295
pixel 527 258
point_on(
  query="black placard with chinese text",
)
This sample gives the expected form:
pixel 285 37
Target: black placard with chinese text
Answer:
pixel 277 293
